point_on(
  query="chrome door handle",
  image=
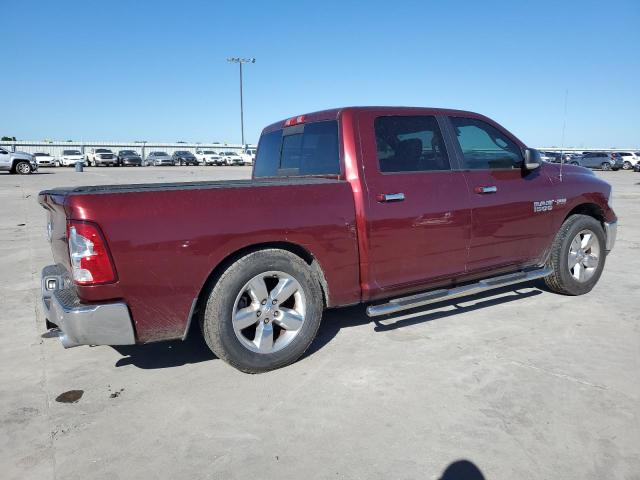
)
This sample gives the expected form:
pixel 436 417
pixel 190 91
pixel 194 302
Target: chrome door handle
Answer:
pixel 390 197
pixel 483 190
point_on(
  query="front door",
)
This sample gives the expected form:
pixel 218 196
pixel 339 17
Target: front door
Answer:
pixel 511 224
pixel 5 159
pixel 418 217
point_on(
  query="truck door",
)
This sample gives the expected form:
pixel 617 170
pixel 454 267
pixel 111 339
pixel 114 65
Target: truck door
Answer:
pixel 417 208
pixel 510 207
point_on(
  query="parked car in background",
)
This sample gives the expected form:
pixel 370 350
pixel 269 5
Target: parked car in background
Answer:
pixel 70 157
pixel 628 159
pixel 547 156
pixel 636 167
pixel 208 157
pixel 45 159
pixel 231 158
pixel 377 205
pixel 159 158
pixel 248 156
pixel 182 157
pixel 601 160
pixel 17 162
pixel 129 158
pixel 101 157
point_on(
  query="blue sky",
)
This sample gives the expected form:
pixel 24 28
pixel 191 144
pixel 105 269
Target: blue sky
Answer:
pixel 116 70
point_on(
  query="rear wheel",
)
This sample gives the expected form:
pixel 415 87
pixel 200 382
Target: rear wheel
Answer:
pixel 577 256
pixel 263 312
pixel 627 165
pixel 605 166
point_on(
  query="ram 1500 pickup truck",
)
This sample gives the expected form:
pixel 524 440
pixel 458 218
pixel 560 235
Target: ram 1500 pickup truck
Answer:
pixel 393 207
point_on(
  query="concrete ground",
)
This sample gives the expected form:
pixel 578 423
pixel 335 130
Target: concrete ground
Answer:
pixel 522 383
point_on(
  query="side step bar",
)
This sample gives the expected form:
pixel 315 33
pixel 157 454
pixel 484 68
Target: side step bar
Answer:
pixel 443 294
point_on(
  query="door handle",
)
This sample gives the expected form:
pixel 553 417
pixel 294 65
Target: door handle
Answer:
pixel 483 190
pixel 390 197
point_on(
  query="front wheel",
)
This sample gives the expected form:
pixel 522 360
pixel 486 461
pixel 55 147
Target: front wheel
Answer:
pixel 577 256
pixel 23 168
pixel 627 165
pixel 263 312
pixel 605 166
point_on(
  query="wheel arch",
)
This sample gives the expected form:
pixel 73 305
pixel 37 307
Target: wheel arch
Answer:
pixel 230 259
pixel 590 209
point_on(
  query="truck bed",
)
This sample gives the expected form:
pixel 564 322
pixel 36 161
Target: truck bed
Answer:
pixel 166 238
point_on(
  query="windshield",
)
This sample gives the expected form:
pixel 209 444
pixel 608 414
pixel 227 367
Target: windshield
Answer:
pixel 231 154
pixel 102 150
pixel 127 152
pixel 160 154
pixel 209 152
pixel 71 152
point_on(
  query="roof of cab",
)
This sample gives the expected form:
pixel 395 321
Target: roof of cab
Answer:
pixel 334 113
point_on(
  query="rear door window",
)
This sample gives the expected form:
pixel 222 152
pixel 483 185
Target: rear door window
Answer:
pixel 484 147
pixel 410 144
pixel 308 149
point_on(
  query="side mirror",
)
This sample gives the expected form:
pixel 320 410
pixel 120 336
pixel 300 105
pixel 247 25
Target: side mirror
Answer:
pixel 532 159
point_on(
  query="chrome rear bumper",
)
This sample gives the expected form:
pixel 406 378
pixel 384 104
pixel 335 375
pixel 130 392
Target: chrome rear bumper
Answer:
pixel 611 232
pixel 83 324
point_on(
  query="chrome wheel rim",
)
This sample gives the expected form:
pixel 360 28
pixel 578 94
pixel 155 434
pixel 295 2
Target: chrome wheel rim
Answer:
pixel 268 312
pixel 606 166
pixel 584 256
pixel 23 168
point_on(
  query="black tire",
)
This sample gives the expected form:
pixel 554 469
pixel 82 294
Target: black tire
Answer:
pixel 605 166
pixel 627 165
pixel 216 322
pixel 561 280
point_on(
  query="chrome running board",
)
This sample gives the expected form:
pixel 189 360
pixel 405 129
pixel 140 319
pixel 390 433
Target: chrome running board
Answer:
pixel 444 294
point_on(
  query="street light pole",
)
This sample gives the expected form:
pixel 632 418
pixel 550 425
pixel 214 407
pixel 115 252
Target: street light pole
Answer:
pixel 240 61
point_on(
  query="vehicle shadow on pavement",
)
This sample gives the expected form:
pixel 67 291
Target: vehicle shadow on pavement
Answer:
pixel 176 353
pixel 165 354
pixel 337 319
pixel 462 470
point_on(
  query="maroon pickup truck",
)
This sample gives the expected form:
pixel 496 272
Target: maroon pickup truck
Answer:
pixel 395 207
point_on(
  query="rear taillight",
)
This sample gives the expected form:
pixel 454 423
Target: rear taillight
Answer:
pixel 90 260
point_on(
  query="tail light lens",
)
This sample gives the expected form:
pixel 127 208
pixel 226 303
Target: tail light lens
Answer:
pixel 90 259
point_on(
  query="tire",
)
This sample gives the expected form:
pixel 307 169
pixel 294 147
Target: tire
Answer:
pixel 605 166
pixel 23 168
pixel 563 279
pixel 627 165
pixel 283 346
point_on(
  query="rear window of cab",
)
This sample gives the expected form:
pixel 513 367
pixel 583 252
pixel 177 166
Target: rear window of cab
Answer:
pixel 300 150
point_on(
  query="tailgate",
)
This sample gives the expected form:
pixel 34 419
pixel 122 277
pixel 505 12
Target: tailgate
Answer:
pixel 56 227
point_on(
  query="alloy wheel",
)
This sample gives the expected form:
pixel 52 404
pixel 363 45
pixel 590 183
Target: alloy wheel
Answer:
pixel 269 312
pixel 584 255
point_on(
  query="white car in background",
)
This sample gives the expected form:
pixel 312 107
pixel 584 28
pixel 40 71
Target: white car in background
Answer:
pixel 248 156
pixel 45 159
pixel 231 158
pixel 208 157
pixel 70 157
pixel 629 159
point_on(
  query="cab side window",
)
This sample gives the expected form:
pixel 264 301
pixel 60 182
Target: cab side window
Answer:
pixel 410 144
pixel 484 147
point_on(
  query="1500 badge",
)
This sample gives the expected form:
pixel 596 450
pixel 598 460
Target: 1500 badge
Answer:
pixel 547 205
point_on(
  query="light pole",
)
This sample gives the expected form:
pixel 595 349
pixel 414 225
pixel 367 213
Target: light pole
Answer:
pixel 240 61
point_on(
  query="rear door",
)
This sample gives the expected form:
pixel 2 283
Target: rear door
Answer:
pixel 510 207
pixel 417 210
